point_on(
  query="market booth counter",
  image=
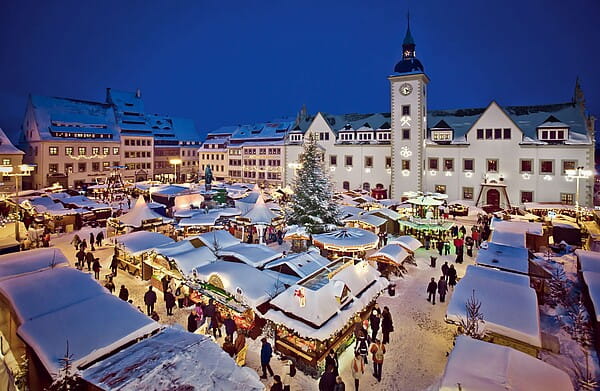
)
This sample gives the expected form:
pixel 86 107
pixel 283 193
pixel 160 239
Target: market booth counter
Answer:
pixel 320 312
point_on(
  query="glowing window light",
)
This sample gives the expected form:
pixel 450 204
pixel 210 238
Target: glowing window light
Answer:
pixel 405 172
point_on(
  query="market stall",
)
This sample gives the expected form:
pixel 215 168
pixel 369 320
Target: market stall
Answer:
pixel 299 237
pixel 390 258
pixel 296 266
pixel 259 217
pixel 134 248
pixel 140 217
pixel 366 221
pixel 319 313
pixel 346 242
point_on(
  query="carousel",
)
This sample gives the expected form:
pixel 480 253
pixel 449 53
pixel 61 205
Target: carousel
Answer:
pixel 353 242
pixel 427 215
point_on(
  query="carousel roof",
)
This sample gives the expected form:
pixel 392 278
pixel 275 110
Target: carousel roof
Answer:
pixel 347 238
pixel 408 242
pixel 140 213
pixel 138 242
pixel 392 253
pixel 260 213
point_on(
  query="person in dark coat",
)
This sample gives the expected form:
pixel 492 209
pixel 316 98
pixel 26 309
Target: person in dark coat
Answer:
pixel 332 360
pixel 192 324
pixel 96 267
pixel 114 265
pixel 89 259
pixel 440 246
pixel 431 290
pixel 469 245
pixel 110 285
pixel 154 316
pixel 265 358
pixel 165 283
pixel 452 276
pixel 99 238
pixel 215 324
pixel 80 259
pixel 277 385
pixel 445 268
pixel 374 320
pixel 83 245
pixel 459 254
pixel 230 326
pixel 327 382
pixel 442 288
pixel 209 311
pixel 387 325
pixel 228 346
pixel 76 241
pixel 339 384
pixel 169 302
pixel 149 300
pixel 92 241
pixel 123 293
pixel 362 346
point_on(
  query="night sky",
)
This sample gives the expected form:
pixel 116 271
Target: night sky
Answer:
pixel 232 62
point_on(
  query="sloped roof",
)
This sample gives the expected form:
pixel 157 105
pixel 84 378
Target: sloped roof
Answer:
pixel 186 256
pixel 140 213
pixel 138 242
pixel 303 264
pixel 275 129
pixel 514 259
pixel 393 253
pixel 30 261
pixel 255 255
pixel 7 147
pixel 260 213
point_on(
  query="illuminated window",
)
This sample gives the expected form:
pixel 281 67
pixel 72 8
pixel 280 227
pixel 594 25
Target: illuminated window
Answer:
pixel 95 150
pixel 568 165
pixel 115 151
pixel 467 193
pixel 492 165
pixel 53 151
pixel 69 151
pixel 526 196
pixel 448 164
pixel 6 162
pixel 440 189
pixel 406 164
pixel 567 198
pixel 81 150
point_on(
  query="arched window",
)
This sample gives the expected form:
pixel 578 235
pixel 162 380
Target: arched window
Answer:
pixel 366 186
pixel 379 186
pixel 346 185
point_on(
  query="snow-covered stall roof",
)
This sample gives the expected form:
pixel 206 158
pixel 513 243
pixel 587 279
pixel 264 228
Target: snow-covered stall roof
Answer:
pixel 347 239
pixel 296 232
pixel 185 201
pixel 47 205
pixel 141 213
pixel 169 190
pixel 186 255
pixel 356 286
pixel 218 239
pixel 172 359
pixel 515 259
pixel 255 255
pixel 589 261
pixel 517 226
pixel 425 201
pixel 246 203
pixel 83 202
pixel 509 305
pixel 392 253
pixel 408 242
pixel 592 280
pixel 374 221
pixel 302 264
pixel 139 242
pixel 256 287
pixel 348 210
pixel 479 365
pixel 509 238
pixel 260 213
pixel 30 261
pixel 388 213
pixel 200 219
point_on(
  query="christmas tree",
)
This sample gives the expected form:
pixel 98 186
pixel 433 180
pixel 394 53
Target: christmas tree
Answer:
pixel 312 204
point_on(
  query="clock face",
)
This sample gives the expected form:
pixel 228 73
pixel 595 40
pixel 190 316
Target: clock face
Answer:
pixel 405 89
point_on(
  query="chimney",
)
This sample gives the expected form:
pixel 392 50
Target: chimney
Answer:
pixel 138 93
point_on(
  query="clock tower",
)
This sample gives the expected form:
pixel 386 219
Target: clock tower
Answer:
pixel 409 120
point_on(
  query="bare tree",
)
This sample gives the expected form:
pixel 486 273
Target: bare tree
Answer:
pixel 586 379
pixel 67 378
pixel 473 325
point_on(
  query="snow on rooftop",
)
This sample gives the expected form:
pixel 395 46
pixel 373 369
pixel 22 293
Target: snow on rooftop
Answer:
pixel 509 305
pixel 374 221
pixel 514 259
pixel 83 202
pixel 139 214
pixel 186 256
pixel 30 261
pixel 392 252
pixel 347 238
pixel 7 147
pixel 172 359
pixel 303 264
pixel 260 213
pixel 255 255
pixel 509 238
pixel 517 226
pixel 479 365
pixel 592 281
pixel 138 242
pixel 408 242
pixel 218 239
pixel 588 260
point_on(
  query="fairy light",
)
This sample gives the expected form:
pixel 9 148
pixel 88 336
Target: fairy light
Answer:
pixel 94 156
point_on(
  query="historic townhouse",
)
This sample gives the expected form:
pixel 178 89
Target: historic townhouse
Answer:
pixel 10 156
pixel 75 142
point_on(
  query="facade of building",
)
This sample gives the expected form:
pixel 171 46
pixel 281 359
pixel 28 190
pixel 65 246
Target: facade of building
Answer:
pixel 74 142
pixel 10 156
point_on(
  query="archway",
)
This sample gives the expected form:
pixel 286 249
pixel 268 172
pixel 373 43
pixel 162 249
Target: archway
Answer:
pixel 493 197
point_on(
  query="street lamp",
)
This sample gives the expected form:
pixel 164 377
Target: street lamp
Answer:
pixel 175 162
pixel 25 171
pixel 578 173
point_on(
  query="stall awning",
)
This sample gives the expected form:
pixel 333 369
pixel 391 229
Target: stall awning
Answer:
pixel 392 253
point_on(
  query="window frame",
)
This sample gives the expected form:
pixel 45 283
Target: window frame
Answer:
pixel 542 172
pixel 522 194
pixel 521 161
pixel 465 169
pixel 467 188
pixel 487 165
pixel 437 163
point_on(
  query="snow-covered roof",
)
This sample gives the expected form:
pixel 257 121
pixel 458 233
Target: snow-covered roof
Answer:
pixel 408 242
pixel 426 201
pixel 186 255
pixel 246 203
pixel 47 205
pixel 347 238
pixel 260 213
pixel 592 281
pixel 169 190
pixel 540 205
pixel 7 147
pixel 348 210
pixel 296 231
pixel 330 302
pixel 199 219
pixel 509 305
pixel 515 259
pixel 30 261
pixel 479 365
pixel 509 238
pixel 303 264
pixel 83 202
pixel 184 201
pixel 255 255
pixel 139 242
pixel 172 359
pixel 392 252
pixel 588 260
pixel 388 213
pixel 517 226
pixel 374 221
pixel 139 214
pixel 218 239
pixel 257 287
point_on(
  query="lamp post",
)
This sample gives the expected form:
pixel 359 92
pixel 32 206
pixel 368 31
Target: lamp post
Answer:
pixel 25 171
pixel 578 173
pixel 175 162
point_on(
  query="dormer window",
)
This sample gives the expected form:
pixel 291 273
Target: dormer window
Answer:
pixel 442 132
pixel 552 130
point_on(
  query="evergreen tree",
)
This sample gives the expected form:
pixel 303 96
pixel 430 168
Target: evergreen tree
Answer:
pixel 473 325
pixel 68 379
pixel 312 204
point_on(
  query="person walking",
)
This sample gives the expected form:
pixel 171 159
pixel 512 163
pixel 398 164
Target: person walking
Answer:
pixel 439 245
pixel 114 265
pixel 431 290
pixel 469 245
pixel 99 238
pixel 442 288
pixel 76 241
pixel 92 241
pixel 209 311
pixel 332 360
pixel 452 276
pixel 149 300
pixel 446 247
pixel 277 384
pixel 83 245
pixel 339 384
pixel 265 358
pixel 89 259
pixel 378 351
pixel 362 346
pixel 80 255
pixel 215 324
pixel 241 348
pixel 445 268
pixel 96 268
pixel 169 302
pixel 387 325
pixel 327 381
pixel 358 369
pixel 230 326
pixel 110 285
pixel 123 293
pixel 192 325
pixel 375 320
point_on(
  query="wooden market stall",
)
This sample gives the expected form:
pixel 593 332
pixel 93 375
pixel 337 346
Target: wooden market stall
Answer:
pixel 134 248
pixel 390 259
pixel 139 218
pixel 367 222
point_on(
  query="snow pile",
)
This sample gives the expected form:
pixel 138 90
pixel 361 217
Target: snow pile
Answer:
pixel 509 305
pixel 172 359
pixel 478 365
pixel 513 259
pixel 30 261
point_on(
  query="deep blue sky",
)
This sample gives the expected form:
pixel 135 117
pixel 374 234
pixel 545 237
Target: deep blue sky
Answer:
pixel 230 62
